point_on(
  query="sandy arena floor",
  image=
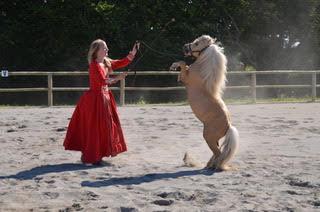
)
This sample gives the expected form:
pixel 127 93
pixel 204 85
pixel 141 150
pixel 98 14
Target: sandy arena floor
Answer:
pixel 278 162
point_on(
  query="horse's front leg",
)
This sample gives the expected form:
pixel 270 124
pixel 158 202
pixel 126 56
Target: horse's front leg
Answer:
pixel 184 71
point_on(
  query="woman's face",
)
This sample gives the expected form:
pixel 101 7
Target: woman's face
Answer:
pixel 103 51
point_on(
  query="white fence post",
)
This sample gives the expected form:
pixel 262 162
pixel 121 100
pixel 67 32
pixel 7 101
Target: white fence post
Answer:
pixel 50 94
pixel 253 87
pixel 314 86
pixel 122 92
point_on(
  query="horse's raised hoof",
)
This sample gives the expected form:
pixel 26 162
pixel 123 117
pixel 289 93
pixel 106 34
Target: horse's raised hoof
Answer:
pixel 174 66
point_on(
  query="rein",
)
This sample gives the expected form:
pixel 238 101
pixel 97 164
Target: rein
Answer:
pixel 148 47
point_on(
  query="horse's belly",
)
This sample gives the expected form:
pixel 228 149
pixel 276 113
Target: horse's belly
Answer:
pixel 205 108
pixel 199 105
pixel 198 112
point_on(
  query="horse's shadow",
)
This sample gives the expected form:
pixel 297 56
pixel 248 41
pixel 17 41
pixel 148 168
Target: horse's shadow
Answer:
pixel 46 169
pixel 145 178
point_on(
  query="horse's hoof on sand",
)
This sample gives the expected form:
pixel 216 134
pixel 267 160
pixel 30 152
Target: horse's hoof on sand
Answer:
pixel 232 168
pixel 210 167
pixel 227 168
pixel 218 169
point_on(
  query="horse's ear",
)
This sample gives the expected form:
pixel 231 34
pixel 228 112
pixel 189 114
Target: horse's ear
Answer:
pixel 211 39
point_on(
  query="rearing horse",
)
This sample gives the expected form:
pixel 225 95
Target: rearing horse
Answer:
pixel 205 81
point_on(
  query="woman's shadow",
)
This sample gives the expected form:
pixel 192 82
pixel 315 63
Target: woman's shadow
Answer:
pixel 46 169
pixel 146 178
pixel 58 168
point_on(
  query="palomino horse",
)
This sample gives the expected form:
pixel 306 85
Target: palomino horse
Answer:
pixel 205 81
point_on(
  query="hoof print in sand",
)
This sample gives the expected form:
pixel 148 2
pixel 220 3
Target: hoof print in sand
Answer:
pixel 11 130
pixel 92 196
pixel 61 129
pixel 22 126
pixel 77 207
pixel 104 207
pixel 50 181
pixel 37 179
pixel 291 192
pixel 163 202
pixel 125 209
pixel 51 195
pixel 177 196
pixel 299 183
pixel 66 210
pixel 315 203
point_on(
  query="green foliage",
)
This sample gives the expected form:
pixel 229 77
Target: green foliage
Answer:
pixel 249 68
pixel 55 34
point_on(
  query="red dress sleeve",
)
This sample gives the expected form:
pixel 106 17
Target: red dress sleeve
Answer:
pixel 116 64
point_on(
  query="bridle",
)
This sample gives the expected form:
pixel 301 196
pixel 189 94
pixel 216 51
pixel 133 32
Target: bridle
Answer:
pixel 188 48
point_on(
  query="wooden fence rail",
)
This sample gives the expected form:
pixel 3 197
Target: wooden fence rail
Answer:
pixel 253 85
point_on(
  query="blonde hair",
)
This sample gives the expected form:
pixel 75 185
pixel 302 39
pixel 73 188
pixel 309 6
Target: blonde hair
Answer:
pixel 93 50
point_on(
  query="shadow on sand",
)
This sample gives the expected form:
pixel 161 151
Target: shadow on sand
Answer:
pixel 46 169
pixel 145 178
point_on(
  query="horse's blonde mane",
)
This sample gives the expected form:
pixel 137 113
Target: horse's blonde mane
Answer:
pixel 212 64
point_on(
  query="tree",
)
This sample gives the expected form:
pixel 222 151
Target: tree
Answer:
pixel 55 35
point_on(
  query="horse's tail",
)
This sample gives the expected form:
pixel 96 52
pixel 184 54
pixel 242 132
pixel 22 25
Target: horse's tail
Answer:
pixel 229 146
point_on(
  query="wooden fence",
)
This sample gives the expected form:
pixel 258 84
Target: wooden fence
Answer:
pixel 253 85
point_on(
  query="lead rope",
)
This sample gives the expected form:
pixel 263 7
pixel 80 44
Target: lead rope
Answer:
pixel 150 48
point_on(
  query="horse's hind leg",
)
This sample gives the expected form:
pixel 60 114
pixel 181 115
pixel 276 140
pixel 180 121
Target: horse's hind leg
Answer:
pixel 212 139
pixel 212 133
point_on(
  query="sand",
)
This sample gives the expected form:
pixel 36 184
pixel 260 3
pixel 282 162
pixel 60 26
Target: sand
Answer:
pixel 277 165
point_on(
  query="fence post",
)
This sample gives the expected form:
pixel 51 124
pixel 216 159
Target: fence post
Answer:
pixel 314 86
pixel 122 91
pixel 253 87
pixel 50 95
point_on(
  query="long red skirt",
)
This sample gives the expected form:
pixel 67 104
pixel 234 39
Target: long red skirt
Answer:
pixel 94 128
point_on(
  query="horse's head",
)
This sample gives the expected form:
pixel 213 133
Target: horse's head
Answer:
pixel 195 48
pixel 207 58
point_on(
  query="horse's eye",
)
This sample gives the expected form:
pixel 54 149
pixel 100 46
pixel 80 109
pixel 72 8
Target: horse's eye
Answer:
pixel 197 43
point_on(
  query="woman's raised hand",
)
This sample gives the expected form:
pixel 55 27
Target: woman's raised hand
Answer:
pixel 135 48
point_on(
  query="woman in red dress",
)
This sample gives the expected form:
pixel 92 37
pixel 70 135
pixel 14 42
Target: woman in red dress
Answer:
pixel 94 128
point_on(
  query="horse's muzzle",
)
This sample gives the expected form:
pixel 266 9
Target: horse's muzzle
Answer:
pixel 187 49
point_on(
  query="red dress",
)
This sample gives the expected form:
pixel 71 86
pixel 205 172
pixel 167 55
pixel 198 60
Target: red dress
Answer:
pixel 94 128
